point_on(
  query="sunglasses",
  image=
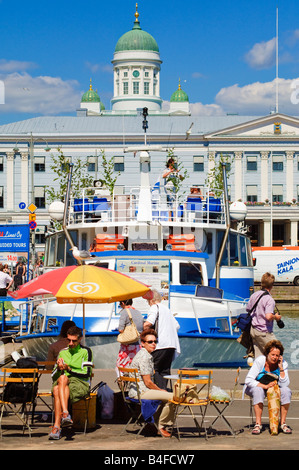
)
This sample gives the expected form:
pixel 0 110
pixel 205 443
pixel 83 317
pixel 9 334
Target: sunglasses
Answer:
pixel 150 342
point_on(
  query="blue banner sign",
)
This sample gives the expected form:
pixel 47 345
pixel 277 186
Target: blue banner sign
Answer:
pixel 14 238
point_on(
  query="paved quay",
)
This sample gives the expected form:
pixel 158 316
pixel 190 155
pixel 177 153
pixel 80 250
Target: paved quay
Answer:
pixel 107 438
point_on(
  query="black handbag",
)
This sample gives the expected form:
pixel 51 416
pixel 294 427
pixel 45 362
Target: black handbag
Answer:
pixel 267 378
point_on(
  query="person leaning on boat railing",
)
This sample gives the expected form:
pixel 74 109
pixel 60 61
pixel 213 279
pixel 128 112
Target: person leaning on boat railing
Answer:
pixel 169 174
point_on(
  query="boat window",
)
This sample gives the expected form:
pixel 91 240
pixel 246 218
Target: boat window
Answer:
pixel 101 265
pixel 249 252
pixel 190 273
pixel 209 243
pixel 51 324
pixel 84 241
pixel 224 261
pixel 70 260
pixel 60 250
pixel 233 247
pixel 243 251
pixel 222 325
pixel 51 251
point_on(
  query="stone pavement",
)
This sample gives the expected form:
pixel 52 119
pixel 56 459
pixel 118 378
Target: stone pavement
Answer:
pixel 107 437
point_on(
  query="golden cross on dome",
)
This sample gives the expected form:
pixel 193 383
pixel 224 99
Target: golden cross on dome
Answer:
pixel 136 13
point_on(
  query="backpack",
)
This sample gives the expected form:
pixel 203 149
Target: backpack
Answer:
pixel 21 392
pixel 244 319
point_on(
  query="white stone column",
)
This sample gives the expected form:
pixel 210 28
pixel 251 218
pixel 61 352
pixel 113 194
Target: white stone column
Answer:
pixel 290 176
pixel 264 177
pixel 238 176
pixel 267 233
pixel 24 177
pixel 294 232
pixel 10 181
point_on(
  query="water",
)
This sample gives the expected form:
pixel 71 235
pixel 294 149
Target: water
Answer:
pixel 289 337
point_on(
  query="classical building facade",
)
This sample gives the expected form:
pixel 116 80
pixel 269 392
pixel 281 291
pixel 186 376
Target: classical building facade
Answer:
pixel 262 151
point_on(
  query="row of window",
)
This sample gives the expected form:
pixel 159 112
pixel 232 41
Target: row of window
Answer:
pixel 136 88
pixel 198 163
pixel 277 193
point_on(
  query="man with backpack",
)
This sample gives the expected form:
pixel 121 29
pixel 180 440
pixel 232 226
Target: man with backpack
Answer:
pixel 262 316
pixel 71 379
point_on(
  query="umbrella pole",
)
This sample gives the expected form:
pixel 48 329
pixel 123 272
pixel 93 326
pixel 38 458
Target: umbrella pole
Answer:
pixel 83 324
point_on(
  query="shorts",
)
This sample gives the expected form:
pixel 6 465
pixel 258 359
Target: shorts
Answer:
pixel 78 388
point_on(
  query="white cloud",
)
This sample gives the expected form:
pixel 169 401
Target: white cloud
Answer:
pixel 258 98
pixel 107 68
pixel 9 66
pixel 262 55
pixel 199 109
pixel 43 94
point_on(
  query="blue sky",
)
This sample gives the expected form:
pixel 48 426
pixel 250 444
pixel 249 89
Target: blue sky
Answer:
pixel 223 52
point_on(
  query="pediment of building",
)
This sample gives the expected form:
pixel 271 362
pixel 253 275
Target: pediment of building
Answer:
pixel 277 124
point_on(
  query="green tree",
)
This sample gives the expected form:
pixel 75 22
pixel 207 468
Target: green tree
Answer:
pixel 177 178
pixel 109 176
pixel 80 177
pixel 214 177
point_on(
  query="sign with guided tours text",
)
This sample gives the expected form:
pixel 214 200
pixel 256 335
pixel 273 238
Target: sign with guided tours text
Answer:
pixel 14 238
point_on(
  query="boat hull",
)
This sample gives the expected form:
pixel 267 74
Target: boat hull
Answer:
pixel 196 350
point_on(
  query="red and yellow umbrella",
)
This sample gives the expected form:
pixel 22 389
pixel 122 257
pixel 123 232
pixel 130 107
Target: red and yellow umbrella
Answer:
pixel 84 284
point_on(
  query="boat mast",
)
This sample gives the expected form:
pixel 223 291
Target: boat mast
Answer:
pixel 227 217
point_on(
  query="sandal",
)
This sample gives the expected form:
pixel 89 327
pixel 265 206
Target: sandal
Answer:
pixel 257 429
pixel 55 434
pixel 285 428
pixel 66 420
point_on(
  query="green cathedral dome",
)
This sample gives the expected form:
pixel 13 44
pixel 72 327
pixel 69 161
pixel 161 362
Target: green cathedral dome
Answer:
pixel 136 40
pixel 179 95
pixel 90 96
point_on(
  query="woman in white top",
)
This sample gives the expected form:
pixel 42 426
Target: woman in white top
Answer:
pixel 271 362
pixel 162 320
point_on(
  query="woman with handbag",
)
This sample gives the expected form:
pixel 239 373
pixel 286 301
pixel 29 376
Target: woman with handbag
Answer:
pixel 162 320
pixel 269 377
pixel 127 351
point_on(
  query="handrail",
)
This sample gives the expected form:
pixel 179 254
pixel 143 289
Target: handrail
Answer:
pixel 184 209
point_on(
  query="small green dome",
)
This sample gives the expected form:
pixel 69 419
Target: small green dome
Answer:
pixel 179 95
pixel 136 40
pixel 90 96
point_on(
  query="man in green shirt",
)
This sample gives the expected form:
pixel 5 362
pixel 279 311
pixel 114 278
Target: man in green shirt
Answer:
pixel 71 379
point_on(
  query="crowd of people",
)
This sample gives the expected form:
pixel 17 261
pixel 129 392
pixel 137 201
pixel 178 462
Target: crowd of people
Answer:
pixel 12 278
pixel 152 356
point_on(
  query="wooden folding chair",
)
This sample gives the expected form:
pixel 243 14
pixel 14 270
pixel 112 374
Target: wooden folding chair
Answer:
pixel 21 410
pixel 45 367
pixel 128 376
pixel 221 405
pixel 202 379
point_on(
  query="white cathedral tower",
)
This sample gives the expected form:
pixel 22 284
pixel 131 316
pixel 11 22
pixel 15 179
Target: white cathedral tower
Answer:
pixel 136 65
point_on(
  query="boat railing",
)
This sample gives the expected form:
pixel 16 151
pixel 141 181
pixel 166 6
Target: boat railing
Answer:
pixel 95 205
pixel 30 317
pixel 224 313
